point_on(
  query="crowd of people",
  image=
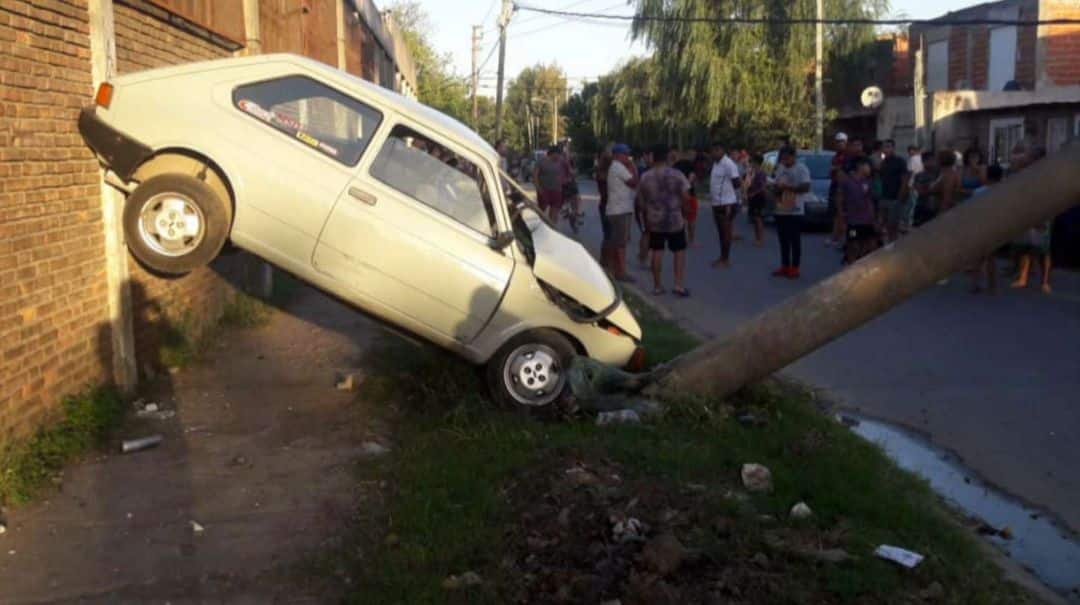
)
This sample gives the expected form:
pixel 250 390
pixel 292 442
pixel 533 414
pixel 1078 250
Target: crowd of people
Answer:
pixel 876 196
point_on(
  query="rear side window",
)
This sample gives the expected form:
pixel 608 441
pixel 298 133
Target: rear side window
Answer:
pixel 312 113
pixel 432 174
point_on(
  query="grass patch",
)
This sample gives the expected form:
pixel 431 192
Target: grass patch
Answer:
pixel 459 459
pixel 86 421
pixel 245 311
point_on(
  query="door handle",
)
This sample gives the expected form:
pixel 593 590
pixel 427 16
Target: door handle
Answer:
pixel 363 196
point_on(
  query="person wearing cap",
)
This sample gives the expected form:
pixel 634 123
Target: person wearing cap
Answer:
pixel 836 175
pixel 548 177
pixel 622 182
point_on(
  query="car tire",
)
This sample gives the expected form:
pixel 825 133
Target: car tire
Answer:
pixel 529 372
pixel 175 223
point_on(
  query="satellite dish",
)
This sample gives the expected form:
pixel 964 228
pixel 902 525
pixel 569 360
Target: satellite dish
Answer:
pixel 872 97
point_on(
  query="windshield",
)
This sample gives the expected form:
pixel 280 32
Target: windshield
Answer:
pixel 519 201
pixel 820 165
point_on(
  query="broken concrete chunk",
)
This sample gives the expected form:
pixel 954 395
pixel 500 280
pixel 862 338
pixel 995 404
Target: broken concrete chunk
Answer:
pixel 898 555
pixel 374 448
pixel 195 527
pixel 801 511
pixel 618 417
pixel 757 478
pixel 465 580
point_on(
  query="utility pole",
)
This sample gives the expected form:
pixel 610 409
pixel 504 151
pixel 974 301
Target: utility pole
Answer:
pixel 504 20
pixel 476 35
pixel 819 90
pixel 554 118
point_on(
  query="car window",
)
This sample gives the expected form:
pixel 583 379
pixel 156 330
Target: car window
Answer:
pixel 820 165
pixel 434 175
pixel 313 113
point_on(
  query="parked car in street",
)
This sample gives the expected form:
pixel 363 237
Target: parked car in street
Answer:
pixel 377 199
pixel 818 212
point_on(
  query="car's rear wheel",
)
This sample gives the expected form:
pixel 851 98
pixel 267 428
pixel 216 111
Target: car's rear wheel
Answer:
pixel 529 372
pixel 175 223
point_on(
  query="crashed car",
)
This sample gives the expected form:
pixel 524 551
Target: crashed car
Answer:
pixel 379 200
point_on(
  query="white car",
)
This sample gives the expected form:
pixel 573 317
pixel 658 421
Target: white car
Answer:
pixel 379 200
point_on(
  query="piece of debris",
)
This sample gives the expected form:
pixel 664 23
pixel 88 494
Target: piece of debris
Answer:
pixel 628 529
pixel 174 370
pixel 143 443
pixel 749 419
pixel 581 476
pixel 664 554
pixel 761 560
pixel 3 528
pixel 932 592
pixel 237 461
pixel 756 478
pixel 898 555
pixel 1006 533
pixel 374 448
pixel 392 540
pixel 469 578
pixel 195 527
pixel 152 412
pixel 618 417
pixel 847 420
pixel 801 511
pixel 349 382
pixel 986 529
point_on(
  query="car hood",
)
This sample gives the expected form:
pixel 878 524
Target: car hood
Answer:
pixel 567 266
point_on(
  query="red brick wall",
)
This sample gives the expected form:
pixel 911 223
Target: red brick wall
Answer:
pixel 194 300
pixel 958 56
pixel 980 57
pixel 1062 43
pixel 1026 45
pixel 54 335
pixel 52 272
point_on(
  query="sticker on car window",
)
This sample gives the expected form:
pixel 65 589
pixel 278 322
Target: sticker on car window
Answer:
pixel 284 120
pixel 323 147
pixel 255 109
pixel 307 138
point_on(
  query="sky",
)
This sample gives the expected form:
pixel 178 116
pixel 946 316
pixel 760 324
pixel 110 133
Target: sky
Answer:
pixel 585 50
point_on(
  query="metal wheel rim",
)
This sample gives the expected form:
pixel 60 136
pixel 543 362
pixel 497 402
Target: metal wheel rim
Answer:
pixel 540 364
pixel 171 224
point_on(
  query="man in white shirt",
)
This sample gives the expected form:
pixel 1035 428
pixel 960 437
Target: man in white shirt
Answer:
pixel 723 183
pixel 622 180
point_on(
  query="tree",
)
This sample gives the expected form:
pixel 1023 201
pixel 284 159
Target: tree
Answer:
pixel 529 102
pixel 750 85
pixel 437 84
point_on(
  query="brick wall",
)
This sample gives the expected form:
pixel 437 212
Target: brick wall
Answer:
pixel 958 56
pixel 194 300
pixel 53 307
pixel 1027 39
pixel 980 57
pixel 1061 59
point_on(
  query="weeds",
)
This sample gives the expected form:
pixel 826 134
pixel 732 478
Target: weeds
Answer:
pixel 86 421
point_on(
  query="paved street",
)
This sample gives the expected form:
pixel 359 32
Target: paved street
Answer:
pixel 995 379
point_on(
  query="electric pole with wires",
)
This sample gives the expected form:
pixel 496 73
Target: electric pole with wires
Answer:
pixel 477 35
pixel 504 20
pixel 819 91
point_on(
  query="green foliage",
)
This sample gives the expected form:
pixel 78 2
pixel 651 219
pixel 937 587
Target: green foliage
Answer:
pixel 530 100
pixel 179 344
pixel 86 422
pixel 438 85
pixel 750 85
pixel 245 311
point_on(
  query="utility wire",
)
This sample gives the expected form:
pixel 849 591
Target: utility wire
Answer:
pixel 798 20
pixel 516 35
pixel 494 47
pixel 563 8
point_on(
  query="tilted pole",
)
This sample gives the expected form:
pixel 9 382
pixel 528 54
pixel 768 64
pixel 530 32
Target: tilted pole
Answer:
pixel 504 20
pixel 875 284
pixel 819 87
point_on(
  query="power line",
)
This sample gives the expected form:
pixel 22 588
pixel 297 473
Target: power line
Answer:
pixel 483 63
pixel 563 8
pixel 798 20
pixel 490 8
pixel 516 35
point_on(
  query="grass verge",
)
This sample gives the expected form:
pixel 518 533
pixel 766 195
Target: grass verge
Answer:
pixel 86 422
pixel 471 487
pixel 182 343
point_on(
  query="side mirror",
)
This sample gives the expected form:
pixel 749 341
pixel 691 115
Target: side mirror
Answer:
pixel 501 241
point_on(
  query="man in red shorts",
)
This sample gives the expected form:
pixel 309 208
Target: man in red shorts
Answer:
pixel 548 176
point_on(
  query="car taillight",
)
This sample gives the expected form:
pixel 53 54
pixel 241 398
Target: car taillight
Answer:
pixel 104 95
pixel 638 361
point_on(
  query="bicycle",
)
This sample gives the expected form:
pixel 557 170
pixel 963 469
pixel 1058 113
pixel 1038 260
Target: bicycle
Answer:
pixel 568 213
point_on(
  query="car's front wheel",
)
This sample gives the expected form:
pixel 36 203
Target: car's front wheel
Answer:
pixel 175 223
pixel 529 372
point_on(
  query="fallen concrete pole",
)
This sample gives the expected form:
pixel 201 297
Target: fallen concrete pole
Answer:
pixel 828 310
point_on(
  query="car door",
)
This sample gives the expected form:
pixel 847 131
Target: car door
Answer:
pixel 412 233
pixel 299 142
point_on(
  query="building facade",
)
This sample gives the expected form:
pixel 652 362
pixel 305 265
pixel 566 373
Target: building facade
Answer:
pixel 75 309
pixel 993 86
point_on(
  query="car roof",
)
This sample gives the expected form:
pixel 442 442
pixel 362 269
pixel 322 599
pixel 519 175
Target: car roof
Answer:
pixel 423 114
